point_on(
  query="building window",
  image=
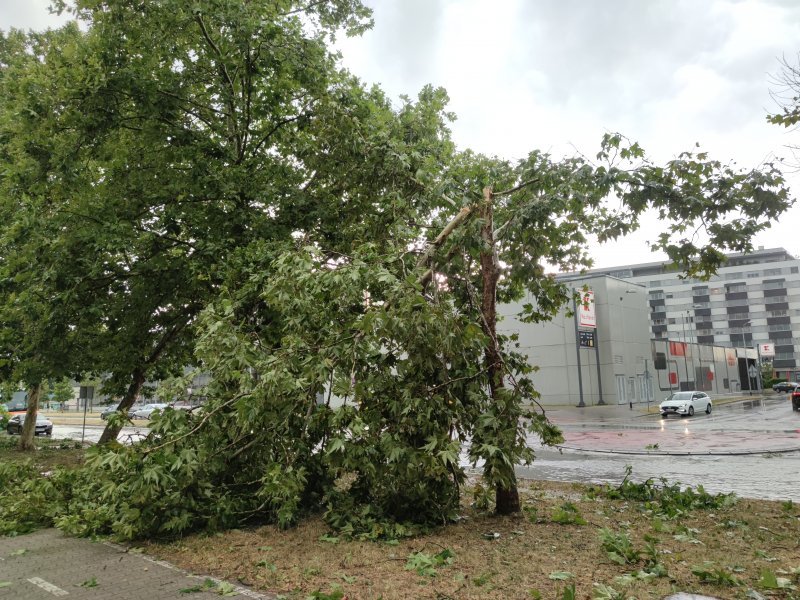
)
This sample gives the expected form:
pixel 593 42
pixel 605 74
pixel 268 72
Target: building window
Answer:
pixel 794 269
pixel 753 274
pixel 768 272
pixel 740 302
pixel 734 276
pixel 777 313
pixel 671 321
pixel 655 283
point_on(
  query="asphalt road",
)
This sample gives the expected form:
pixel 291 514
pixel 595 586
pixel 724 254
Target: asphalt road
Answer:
pixel 751 447
pixel 92 433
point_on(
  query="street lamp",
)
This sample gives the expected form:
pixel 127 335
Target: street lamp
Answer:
pixel 684 318
pixel 746 365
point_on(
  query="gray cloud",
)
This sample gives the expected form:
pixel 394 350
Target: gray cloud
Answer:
pixel 405 39
pixel 28 14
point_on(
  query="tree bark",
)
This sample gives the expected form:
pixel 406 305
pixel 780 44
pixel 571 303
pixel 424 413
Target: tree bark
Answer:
pixel 111 431
pixel 506 498
pixel 29 427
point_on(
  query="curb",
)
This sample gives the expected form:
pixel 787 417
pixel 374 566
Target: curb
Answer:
pixel 239 589
pixel 681 453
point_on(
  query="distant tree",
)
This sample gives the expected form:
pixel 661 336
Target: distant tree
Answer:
pixel 786 93
pixel 40 307
pixel 62 392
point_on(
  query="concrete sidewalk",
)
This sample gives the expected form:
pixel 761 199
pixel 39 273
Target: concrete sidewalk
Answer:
pixel 46 564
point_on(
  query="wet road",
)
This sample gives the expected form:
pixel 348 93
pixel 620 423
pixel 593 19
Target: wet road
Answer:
pixel 92 433
pixel 751 448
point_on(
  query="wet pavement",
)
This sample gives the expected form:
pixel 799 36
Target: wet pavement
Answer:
pixel 750 447
pixel 751 425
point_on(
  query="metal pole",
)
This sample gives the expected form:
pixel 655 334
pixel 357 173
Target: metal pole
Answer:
pixel 759 383
pixel 685 349
pixel 600 402
pixel 747 367
pixel 85 404
pixel 581 403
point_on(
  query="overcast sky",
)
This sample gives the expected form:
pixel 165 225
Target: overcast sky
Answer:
pixel 557 74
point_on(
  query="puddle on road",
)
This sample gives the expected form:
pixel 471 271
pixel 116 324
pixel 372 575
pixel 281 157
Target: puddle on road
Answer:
pixel 771 477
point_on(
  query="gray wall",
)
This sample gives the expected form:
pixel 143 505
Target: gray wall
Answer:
pixel 623 334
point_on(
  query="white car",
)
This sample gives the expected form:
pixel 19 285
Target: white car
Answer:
pixel 146 411
pixel 685 404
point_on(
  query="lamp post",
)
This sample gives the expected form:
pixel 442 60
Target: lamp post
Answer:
pixel 746 366
pixel 685 348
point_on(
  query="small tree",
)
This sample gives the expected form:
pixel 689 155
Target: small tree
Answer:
pixel 63 392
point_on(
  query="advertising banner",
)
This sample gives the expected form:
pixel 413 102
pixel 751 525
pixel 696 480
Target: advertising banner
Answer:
pixel 767 350
pixel 586 314
pixel 677 349
pixel 730 355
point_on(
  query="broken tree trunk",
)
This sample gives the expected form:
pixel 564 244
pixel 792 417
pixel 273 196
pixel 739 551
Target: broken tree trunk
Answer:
pixel 506 497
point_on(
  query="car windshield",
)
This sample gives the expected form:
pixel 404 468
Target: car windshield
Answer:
pixel 39 418
pixel 681 396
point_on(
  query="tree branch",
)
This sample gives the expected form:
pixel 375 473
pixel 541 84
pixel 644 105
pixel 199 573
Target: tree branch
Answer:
pixel 516 188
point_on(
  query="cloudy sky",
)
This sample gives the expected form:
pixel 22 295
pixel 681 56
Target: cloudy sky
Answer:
pixel 558 74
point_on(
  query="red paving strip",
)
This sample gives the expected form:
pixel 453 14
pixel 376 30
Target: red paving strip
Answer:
pixel 686 441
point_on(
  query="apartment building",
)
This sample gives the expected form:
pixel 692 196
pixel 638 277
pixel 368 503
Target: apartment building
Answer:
pixel 753 299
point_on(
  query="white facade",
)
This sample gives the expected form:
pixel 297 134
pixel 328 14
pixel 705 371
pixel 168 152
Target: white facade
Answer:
pixel 753 299
pixel 622 343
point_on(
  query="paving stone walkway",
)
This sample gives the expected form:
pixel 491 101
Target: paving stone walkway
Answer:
pixel 46 564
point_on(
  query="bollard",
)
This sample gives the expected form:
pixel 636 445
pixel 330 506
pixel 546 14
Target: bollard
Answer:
pixel 630 405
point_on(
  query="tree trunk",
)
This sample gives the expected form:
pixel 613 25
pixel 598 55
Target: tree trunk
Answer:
pixel 111 432
pixel 506 499
pixel 29 427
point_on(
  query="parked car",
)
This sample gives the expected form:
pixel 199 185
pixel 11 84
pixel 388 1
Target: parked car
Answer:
pixel 43 425
pixel 108 411
pixel 146 411
pixel 795 399
pixel 685 404
pixel 785 386
pixel 112 408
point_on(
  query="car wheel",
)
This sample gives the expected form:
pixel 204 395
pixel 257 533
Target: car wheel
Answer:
pixel 708 408
pixel 691 411
pixel 664 416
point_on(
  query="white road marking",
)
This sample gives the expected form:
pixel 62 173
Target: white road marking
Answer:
pixel 48 587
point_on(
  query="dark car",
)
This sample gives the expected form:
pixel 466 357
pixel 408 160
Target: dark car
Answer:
pixel 796 399
pixel 43 425
pixel 785 386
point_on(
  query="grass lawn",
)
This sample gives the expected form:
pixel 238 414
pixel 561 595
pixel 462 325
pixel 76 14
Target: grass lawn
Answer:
pixel 554 544
pixel 49 453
